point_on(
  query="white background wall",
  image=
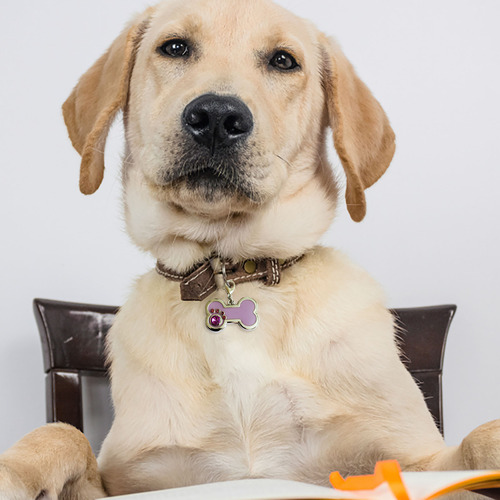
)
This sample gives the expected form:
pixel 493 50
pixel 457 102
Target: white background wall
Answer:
pixel 431 235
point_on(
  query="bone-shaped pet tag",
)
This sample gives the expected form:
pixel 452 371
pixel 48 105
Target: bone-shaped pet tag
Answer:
pixel 244 313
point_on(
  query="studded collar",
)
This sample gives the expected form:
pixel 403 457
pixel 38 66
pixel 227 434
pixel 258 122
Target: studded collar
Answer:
pixel 199 282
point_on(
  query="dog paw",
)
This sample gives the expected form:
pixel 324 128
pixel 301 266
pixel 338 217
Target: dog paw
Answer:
pixel 12 487
pixel 481 448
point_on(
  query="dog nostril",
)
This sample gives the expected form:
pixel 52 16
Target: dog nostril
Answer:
pixel 198 120
pixel 234 125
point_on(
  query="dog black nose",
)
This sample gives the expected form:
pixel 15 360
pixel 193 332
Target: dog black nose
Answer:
pixel 217 121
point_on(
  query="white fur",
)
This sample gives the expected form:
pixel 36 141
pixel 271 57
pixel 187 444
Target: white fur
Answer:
pixel 320 375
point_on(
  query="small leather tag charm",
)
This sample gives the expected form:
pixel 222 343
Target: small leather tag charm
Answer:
pixel 199 284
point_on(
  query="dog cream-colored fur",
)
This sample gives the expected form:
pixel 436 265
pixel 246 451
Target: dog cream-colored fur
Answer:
pixel 318 386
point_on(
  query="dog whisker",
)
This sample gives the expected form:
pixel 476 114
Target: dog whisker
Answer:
pixel 283 160
pixel 127 159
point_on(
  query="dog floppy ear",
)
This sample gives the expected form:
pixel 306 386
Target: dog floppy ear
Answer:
pixel 363 138
pixel 98 96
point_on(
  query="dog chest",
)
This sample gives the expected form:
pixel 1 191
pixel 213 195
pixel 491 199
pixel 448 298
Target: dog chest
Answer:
pixel 244 402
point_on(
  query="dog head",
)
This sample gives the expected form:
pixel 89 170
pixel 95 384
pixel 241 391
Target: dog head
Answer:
pixel 226 107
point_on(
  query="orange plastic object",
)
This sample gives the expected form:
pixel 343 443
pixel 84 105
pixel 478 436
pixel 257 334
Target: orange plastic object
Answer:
pixel 387 471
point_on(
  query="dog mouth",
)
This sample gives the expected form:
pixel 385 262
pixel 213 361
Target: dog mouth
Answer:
pixel 212 178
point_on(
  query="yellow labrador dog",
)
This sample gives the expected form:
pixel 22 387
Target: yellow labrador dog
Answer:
pixel 249 351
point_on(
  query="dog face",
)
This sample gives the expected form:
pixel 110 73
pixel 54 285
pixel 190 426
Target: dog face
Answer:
pixel 216 115
pixel 226 107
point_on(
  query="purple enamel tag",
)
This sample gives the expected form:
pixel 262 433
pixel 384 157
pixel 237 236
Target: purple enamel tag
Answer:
pixel 220 314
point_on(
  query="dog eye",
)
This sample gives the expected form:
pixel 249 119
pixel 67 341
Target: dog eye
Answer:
pixel 283 61
pixel 174 48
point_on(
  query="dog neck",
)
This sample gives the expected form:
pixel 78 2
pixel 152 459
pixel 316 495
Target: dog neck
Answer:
pixel 287 226
pixel 283 230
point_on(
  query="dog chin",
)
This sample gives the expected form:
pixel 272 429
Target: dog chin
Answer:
pixel 206 200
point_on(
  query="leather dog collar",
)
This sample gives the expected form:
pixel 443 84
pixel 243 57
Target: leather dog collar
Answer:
pixel 199 282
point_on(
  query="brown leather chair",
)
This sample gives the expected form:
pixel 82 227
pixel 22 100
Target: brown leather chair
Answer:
pixel 73 339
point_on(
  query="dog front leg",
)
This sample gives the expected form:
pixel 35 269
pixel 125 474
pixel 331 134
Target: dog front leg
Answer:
pixel 479 450
pixel 54 462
